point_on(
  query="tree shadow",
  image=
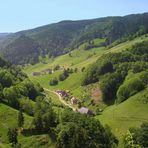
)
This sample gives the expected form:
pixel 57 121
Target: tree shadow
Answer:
pixel 34 132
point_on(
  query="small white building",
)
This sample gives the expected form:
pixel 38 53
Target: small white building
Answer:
pixel 73 100
pixel 84 110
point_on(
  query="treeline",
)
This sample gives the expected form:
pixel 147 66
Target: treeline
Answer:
pixel 60 38
pixel 137 137
pixel 16 90
pixel 111 70
pixel 69 129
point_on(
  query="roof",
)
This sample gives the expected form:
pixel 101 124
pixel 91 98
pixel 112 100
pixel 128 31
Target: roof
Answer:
pixel 83 110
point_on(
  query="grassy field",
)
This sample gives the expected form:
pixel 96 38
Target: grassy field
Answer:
pixel 130 113
pixel 8 119
pixel 79 58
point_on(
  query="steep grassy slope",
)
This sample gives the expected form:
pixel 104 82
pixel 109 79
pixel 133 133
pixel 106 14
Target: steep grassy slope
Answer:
pixel 8 119
pixel 130 113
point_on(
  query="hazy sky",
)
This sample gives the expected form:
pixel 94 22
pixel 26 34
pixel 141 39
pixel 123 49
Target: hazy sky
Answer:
pixel 16 15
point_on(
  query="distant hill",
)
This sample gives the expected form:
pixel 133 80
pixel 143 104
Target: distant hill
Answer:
pixel 57 39
pixel 22 50
pixel 3 35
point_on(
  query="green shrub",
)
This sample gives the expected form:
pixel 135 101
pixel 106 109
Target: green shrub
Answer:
pixel 54 81
pixel 133 84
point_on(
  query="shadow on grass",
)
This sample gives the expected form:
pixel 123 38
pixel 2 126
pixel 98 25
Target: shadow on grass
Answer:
pixel 33 132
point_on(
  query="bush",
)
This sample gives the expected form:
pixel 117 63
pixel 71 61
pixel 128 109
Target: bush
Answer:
pixel 54 81
pixel 57 67
pixel 65 74
pixel 26 105
pixel 62 77
pixel 133 84
pixel 96 70
pixel 109 85
pixel 140 135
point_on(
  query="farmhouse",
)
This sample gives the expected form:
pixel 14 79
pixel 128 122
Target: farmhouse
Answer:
pixel 84 110
pixel 73 100
pixel 62 93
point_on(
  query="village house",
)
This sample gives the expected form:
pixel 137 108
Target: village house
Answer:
pixel 73 100
pixel 62 93
pixel 84 110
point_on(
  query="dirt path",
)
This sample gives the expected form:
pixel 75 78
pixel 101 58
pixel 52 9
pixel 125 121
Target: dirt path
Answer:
pixel 61 99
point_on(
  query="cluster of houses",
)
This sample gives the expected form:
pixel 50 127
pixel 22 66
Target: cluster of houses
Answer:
pixel 74 101
pixel 66 93
pixel 63 93
pixel 45 71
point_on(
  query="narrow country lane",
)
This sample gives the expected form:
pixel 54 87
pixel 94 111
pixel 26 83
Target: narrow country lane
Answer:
pixel 61 99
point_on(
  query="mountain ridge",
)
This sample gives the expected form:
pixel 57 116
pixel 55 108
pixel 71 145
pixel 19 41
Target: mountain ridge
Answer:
pixel 59 38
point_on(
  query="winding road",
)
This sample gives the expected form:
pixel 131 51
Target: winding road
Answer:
pixel 61 99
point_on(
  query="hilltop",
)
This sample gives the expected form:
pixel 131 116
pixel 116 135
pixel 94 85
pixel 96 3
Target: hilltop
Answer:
pixel 59 38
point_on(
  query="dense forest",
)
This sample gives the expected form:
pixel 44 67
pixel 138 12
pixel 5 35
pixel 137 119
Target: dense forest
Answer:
pixel 15 87
pixel 62 37
pixel 120 75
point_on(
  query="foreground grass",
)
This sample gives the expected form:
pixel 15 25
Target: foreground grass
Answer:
pixel 130 113
pixel 8 119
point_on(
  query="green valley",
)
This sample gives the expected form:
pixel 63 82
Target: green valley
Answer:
pixel 120 117
pixel 76 84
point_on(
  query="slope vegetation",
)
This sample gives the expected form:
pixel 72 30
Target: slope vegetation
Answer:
pixel 131 113
pixel 60 38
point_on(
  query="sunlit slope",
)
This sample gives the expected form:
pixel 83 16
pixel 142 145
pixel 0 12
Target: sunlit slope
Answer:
pixel 79 58
pixel 130 113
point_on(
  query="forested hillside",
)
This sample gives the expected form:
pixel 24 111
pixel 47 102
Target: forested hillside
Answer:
pixel 60 38
pixel 22 50
pixel 26 111
pixel 122 74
